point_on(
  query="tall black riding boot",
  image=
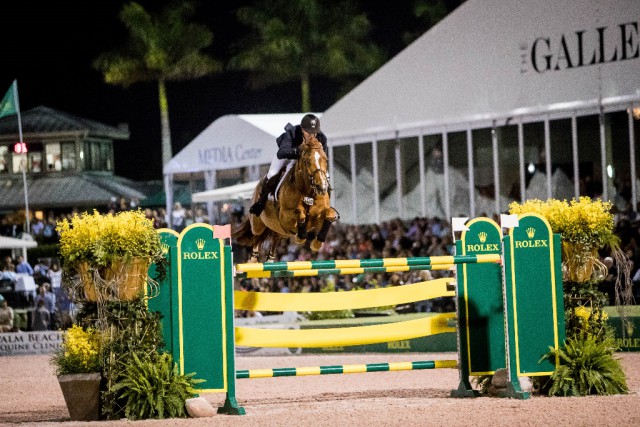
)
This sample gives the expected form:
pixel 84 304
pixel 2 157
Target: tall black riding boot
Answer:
pixel 268 186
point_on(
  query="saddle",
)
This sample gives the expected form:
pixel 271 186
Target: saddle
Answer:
pixel 273 196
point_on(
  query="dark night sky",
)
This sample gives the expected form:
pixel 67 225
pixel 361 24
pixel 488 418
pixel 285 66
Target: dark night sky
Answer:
pixel 49 47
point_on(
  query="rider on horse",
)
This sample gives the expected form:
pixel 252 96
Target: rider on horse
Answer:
pixel 288 144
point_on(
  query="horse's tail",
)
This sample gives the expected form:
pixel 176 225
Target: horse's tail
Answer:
pixel 243 234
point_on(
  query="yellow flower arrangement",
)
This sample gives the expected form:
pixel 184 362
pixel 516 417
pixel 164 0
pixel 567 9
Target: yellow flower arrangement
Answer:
pixel 111 253
pixel 585 313
pixel 100 239
pixel 80 352
pixel 586 222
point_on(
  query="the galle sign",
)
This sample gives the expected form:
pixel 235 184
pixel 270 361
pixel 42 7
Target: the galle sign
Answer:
pixel 600 45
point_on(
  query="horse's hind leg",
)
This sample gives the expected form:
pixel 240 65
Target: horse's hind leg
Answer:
pixel 273 248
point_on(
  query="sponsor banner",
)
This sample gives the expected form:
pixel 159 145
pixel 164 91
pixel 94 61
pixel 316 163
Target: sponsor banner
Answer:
pixel 201 289
pixel 627 335
pixel 440 343
pixel 40 342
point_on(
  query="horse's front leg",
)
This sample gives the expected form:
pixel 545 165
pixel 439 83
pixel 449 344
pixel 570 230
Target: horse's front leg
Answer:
pixel 330 217
pixel 301 221
pixel 302 230
pixel 272 254
pixel 255 254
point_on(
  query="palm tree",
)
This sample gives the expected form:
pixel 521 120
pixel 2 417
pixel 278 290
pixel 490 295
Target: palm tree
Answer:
pixel 293 40
pixel 160 49
pixel 428 14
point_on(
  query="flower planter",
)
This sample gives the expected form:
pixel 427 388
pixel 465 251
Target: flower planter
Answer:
pixel 122 280
pixel 93 245
pixel 131 277
pixel 82 395
pixel 581 264
pixel 88 283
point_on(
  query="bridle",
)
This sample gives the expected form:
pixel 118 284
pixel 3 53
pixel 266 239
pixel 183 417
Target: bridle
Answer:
pixel 309 176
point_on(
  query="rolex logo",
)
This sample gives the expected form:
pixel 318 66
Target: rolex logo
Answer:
pixel 482 236
pixel 531 232
pixel 165 248
pixel 200 244
pixel 629 327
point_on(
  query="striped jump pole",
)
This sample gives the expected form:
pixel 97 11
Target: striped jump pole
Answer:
pixel 368 263
pixel 345 369
pixel 508 316
pixel 339 271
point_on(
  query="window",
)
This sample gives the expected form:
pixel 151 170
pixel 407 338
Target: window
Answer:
pixel 61 156
pixel 54 162
pixel 68 156
pixel 5 159
pixel 33 158
pixel 35 161
pixel 97 156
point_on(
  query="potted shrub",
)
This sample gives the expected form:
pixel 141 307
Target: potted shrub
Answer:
pixel 111 253
pixel 108 256
pixel 77 365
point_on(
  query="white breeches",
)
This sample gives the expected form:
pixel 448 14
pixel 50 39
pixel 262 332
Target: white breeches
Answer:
pixel 276 165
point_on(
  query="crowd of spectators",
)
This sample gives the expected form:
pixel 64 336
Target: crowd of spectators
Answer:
pixel 43 229
pixel 419 237
pixel 41 296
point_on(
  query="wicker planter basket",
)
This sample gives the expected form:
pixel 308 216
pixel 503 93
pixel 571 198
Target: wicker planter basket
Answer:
pixel 581 265
pixel 122 280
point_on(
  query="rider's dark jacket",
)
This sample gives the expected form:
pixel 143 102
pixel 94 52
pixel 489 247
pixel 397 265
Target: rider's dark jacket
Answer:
pixel 289 141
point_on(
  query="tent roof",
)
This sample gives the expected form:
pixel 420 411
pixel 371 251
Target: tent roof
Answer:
pixel 66 190
pixel 232 141
pixel 242 191
pixel 12 243
pixel 478 64
pixel 45 121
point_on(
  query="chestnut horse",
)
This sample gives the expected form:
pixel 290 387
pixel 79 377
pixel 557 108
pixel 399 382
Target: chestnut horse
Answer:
pixel 300 210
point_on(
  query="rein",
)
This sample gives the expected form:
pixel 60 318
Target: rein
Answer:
pixel 310 183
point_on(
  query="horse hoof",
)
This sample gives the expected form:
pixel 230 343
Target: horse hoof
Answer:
pixel 316 245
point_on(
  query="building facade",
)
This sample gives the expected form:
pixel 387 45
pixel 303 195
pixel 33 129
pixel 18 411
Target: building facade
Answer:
pixel 68 159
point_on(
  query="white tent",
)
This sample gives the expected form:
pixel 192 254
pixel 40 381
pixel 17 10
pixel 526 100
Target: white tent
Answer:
pixel 242 191
pixel 230 142
pixel 12 243
pixel 488 60
pixel 490 64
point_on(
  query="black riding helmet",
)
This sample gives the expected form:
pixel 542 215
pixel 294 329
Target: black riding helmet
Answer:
pixel 311 124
